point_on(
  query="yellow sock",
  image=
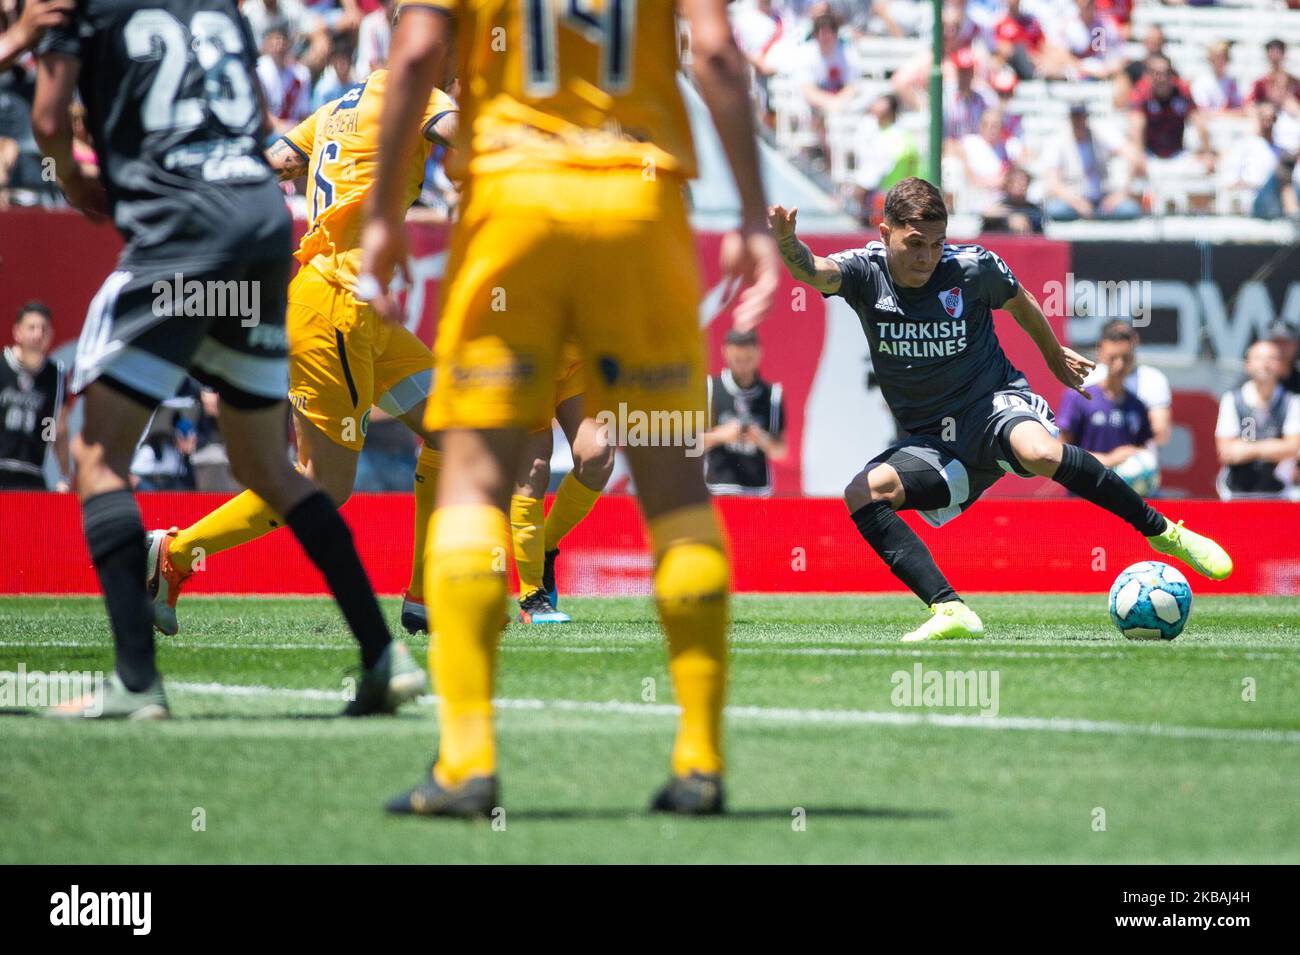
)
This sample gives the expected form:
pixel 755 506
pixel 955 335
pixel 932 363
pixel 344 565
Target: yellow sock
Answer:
pixel 573 501
pixel 243 518
pixel 466 581
pixel 692 583
pixel 427 469
pixel 526 517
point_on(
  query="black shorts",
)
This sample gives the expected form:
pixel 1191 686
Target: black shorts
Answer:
pixel 149 327
pixel 945 468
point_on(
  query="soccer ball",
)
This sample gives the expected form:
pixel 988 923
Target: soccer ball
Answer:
pixel 1141 472
pixel 1150 601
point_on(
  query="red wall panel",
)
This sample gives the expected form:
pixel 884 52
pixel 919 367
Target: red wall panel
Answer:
pixel 778 545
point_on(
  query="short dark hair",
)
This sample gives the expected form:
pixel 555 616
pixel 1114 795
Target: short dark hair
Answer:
pixel 914 200
pixel 40 308
pixel 745 339
pixel 1118 330
pixel 1277 43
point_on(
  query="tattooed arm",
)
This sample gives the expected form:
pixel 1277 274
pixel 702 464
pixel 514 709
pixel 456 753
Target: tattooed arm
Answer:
pixel 287 162
pixel 821 273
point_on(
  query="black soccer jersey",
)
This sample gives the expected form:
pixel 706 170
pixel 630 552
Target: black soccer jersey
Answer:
pixel 933 348
pixel 171 103
pixel 742 467
pixel 29 409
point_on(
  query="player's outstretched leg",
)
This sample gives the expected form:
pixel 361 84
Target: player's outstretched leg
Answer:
pixel 1080 473
pixel 873 498
pixel 692 593
pixel 526 531
pixel 115 538
pixel 593 462
pixel 254 439
pixel 466 582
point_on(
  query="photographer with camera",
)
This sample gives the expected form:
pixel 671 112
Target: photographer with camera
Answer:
pixel 746 422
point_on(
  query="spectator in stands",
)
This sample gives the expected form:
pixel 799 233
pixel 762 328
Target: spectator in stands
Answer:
pixel 1214 91
pixel 824 64
pixel 1282 89
pixel 1280 195
pixel 1251 161
pixel 825 72
pixel 985 159
pixel 1277 86
pixel 887 154
pixel 337 77
pixel 911 80
pixel 1287 340
pixel 964 103
pixel 1018 41
pixel 374 37
pixel 299 24
pixel 287 84
pixel 1258 434
pixel 1076 171
pixel 1160 108
pixel 1149 383
pixel 1013 212
pixel 1153 44
pixel 746 422
pixel 1113 426
pixel 758 28
pixel 1093 40
pixel 83 150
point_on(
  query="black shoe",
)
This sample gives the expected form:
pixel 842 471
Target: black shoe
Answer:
pixel 475 798
pixel 536 608
pixel 392 681
pixel 699 794
pixel 548 577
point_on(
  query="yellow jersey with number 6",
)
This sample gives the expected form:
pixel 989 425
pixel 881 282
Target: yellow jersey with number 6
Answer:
pixel 576 83
pixel 341 144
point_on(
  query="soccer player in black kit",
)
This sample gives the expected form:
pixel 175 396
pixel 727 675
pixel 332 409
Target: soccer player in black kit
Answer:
pixel 967 415
pixel 174 107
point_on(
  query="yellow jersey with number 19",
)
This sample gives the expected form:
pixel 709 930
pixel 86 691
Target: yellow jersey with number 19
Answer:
pixel 341 144
pixel 578 83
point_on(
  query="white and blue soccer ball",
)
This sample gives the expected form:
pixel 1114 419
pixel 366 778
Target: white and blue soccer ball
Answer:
pixel 1150 601
pixel 1141 472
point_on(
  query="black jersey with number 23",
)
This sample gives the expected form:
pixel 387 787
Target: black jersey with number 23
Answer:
pixel 171 103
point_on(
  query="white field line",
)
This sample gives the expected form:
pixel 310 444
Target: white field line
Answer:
pixel 1083 653
pixel 790 715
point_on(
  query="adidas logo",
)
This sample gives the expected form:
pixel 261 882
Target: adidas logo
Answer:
pixel 887 304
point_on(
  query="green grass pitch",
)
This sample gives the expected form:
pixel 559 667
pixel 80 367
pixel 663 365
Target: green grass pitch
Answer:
pixel 1101 750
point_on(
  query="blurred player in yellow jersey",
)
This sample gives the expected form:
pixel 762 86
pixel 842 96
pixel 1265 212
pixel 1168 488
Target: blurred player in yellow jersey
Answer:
pixel 537 533
pixel 342 357
pixel 574 149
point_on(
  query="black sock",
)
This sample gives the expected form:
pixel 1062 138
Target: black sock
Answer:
pixel 1082 474
pixel 115 539
pixel 325 537
pixel 904 552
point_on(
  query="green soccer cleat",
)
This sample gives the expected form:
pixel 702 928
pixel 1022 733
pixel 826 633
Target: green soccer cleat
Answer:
pixel 950 620
pixel 548 577
pixel 116 702
pixel 699 794
pixel 394 680
pixel 475 798
pixel 1198 552
pixel 536 608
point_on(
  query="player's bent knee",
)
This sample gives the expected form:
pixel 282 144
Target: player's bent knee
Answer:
pixel 878 483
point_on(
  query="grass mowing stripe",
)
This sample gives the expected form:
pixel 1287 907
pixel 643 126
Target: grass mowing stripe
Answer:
pixel 931 650
pixel 823 717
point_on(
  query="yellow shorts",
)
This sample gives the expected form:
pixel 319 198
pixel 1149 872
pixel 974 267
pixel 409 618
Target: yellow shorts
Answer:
pixel 343 358
pixel 605 258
